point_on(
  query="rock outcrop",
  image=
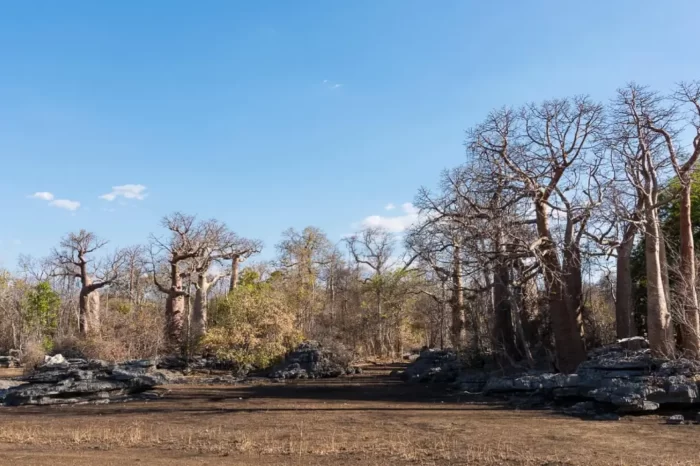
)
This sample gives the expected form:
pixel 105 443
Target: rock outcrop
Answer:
pixel 10 361
pixel 311 360
pixel 614 379
pixel 71 381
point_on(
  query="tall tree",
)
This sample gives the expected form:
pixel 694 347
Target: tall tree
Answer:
pixel 73 258
pixel 238 251
pixel 545 149
pixel 687 94
pixel 185 242
pixel 635 111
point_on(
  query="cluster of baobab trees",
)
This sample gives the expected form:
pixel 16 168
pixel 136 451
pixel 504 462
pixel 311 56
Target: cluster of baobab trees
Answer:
pixel 193 255
pixel 555 191
pixel 514 253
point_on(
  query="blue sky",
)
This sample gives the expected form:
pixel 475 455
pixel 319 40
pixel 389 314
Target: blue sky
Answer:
pixel 270 115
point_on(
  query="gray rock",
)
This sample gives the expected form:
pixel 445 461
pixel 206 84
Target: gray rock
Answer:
pixel 312 360
pixel 676 419
pixel 56 360
pixel 61 381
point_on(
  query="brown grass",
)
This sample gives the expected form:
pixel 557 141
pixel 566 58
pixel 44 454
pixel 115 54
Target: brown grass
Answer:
pixel 349 421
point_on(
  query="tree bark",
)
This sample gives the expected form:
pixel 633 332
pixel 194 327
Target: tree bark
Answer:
pixel 174 309
pixel 623 284
pixel 235 263
pixel 573 274
pixel 691 323
pixel 570 350
pixel 199 312
pixel 457 299
pixel 89 308
pixel 659 324
pixel 503 335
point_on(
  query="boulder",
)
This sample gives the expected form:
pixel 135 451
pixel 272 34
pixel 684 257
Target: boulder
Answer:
pixel 312 360
pixel 9 361
pixel 614 379
pixel 70 381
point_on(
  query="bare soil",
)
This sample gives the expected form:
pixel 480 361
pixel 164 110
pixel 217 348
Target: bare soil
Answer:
pixel 361 420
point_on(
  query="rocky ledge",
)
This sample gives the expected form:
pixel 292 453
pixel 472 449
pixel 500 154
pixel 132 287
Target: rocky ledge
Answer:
pixel 613 380
pixel 311 360
pixel 74 381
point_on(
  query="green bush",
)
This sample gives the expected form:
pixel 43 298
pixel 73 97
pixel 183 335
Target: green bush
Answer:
pixel 251 326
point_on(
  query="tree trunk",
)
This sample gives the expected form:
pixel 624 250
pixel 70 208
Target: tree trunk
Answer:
pixel 659 326
pixel 457 300
pixel 570 351
pixel 201 304
pixel 623 284
pixel 503 335
pixel 89 307
pixel 235 263
pixel 691 323
pixel 174 309
pixel 573 274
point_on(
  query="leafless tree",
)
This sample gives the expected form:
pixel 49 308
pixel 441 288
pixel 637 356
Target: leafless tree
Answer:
pixel 238 250
pixel 635 111
pixel 73 258
pixel 186 241
pixel 545 149
pixel 688 94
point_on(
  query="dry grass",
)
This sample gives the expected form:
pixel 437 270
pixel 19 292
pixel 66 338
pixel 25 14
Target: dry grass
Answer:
pixel 339 423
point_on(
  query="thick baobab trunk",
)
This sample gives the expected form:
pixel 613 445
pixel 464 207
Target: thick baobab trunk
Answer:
pixel 457 300
pixel 659 325
pixel 235 263
pixel 690 325
pixel 201 304
pixel 573 282
pixel 503 335
pixel 198 323
pixel 175 309
pixel 89 306
pixel 568 342
pixel 623 284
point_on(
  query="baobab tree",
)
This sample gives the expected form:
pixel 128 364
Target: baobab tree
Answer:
pixel 688 94
pixel 635 111
pixel 73 259
pixel 184 243
pixel 217 241
pixel 544 149
pixel 237 251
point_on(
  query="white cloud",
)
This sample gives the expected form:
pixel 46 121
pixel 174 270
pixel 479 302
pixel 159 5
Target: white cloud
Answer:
pixel 43 195
pixel 65 204
pixel 331 85
pixel 394 224
pixel 390 206
pixel 127 191
pixel 60 203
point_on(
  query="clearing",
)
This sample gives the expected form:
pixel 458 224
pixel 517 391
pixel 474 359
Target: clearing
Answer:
pixel 361 420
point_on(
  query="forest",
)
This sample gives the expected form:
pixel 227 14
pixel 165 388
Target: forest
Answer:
pixel 570 224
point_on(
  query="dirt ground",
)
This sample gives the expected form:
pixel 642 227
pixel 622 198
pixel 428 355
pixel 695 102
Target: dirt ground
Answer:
pixel 361 420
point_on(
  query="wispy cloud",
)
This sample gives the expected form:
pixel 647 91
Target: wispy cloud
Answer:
pixel 53 202
pixel 65 204
pixel 396 223
pixel 331 84
pixel 127 191
pixel 390 206
pixel 43 195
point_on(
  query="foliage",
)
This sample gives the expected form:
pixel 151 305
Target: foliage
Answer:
pixel 42 311
pixel 252 325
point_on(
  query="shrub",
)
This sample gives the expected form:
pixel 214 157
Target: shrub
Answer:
pixel 252 326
